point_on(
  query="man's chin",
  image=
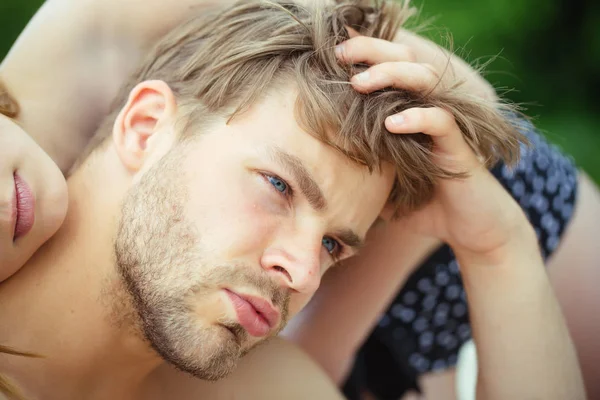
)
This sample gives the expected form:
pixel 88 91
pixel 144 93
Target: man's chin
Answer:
pixel 216 375
pixel 227 367
pixel 211 355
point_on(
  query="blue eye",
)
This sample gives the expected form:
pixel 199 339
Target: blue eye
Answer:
pixel 278 184
pixel 330 244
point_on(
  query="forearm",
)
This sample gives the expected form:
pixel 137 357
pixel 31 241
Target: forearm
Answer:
pixel 523 345
pixel 72 58
pixel 57 74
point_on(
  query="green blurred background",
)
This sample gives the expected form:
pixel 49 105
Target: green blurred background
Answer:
pixel 548 55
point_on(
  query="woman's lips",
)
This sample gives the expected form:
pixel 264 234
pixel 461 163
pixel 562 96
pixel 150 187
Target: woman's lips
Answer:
pixel 24 208
pixel 255 315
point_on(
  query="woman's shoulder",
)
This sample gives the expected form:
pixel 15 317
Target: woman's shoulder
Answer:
pixel 275 370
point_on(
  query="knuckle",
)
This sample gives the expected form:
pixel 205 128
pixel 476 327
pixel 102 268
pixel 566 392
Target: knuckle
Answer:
pixel 446 117
pixel 406 72
pixel 429 73
pixel 358 42
pixel 430 68
pixel 380 74
pixel 416 116
pixel 389 68
pixel 409 54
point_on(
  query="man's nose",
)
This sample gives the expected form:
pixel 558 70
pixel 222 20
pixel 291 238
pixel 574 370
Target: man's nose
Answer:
pixel 298 265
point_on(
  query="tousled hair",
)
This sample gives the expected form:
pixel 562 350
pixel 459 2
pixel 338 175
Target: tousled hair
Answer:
pixel 221 63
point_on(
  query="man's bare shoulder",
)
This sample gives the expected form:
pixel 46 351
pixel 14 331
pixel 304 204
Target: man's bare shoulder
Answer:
pixel 275 370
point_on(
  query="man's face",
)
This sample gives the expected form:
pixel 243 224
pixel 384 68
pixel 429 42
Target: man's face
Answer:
pixel 227 236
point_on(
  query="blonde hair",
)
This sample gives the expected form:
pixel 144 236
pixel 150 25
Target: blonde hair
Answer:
pixel 8 388
pixel 221 63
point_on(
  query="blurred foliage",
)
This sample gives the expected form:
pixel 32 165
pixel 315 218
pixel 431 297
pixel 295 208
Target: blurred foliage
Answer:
pixel 548 52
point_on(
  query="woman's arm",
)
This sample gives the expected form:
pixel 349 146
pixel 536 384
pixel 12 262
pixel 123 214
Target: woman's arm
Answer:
pixel 274 371
pixel 55 71
pixel 73 56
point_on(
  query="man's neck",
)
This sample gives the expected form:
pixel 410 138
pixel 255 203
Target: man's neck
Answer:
pixel 67 306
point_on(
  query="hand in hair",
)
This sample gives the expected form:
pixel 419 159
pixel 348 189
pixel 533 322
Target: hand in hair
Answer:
pixel 510 300
pixel 473 213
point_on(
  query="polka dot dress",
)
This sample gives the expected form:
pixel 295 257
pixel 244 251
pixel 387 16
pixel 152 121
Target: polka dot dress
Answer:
pixel 428 320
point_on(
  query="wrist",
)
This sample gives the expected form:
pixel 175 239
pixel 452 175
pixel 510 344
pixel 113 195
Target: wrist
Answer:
pixel 521 245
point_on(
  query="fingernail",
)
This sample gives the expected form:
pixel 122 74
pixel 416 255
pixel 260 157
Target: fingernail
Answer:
pixel 397 119
pixel 362 77
pixel 339 50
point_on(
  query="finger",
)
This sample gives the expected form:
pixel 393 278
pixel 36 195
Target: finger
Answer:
pixel 401 75
pixel 352 32
pixel 439 124
pixel 368 50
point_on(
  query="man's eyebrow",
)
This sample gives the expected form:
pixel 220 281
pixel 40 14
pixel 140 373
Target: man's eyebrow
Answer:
pixel 350 239
pixel 293 165
pixel 311 190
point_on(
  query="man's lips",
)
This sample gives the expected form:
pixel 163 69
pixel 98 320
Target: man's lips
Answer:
pixel 254 314
pixel 23 208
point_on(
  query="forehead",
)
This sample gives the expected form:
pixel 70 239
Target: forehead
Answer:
pixel 353 194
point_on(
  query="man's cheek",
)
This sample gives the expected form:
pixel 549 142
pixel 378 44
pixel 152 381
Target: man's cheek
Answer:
pixel 234 229
pixel 250 229
pixel 297 303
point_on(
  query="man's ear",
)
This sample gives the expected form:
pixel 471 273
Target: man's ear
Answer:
pixel 151 106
